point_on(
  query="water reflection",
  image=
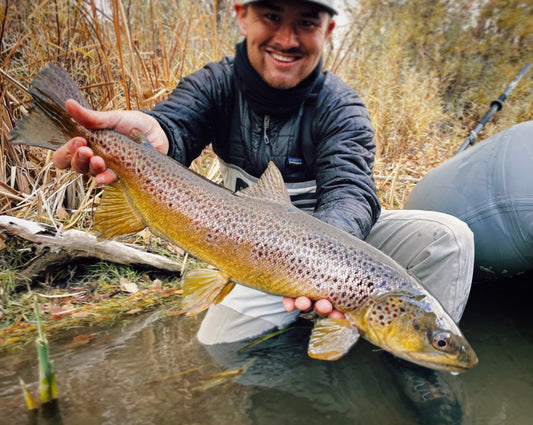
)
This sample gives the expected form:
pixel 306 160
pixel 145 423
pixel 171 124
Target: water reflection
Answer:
pixel 367 386
pixel 108 380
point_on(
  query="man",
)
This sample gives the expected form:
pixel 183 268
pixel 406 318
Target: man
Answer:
pixel 273 103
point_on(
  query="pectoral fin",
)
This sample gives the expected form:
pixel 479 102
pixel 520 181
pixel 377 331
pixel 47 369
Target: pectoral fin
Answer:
pixel 203 287
pixel 115 216
pixel 332 338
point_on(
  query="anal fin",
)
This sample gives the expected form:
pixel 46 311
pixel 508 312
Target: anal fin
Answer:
pixel 115 215
pixel 203 287
pixel 332 338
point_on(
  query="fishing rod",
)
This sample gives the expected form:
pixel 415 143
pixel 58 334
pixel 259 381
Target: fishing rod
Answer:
pixel 495 106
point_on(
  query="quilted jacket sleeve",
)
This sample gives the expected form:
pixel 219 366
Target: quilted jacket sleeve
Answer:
pixel 194 110
pixel 345 149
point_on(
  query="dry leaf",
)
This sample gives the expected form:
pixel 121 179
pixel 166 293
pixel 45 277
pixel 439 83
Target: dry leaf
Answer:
pixel 176 250
pixel 156 286
pixel 176 312
pixel 81 314
pixel 127 286
pixel 62 214
pixel 80 340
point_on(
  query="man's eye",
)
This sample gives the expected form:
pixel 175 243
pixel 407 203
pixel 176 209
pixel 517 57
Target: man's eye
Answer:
pixel 307 24
pixel 272 17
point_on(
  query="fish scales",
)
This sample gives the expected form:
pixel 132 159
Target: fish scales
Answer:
pixel 254 237
pixel 270 245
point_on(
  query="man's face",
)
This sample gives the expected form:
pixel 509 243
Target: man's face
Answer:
pixel 285 39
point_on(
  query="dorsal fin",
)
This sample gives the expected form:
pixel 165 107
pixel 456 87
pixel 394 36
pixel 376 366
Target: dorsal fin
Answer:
pixel 270 186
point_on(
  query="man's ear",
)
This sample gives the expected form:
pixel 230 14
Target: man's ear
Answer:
pixel 240 11
pixel 330 27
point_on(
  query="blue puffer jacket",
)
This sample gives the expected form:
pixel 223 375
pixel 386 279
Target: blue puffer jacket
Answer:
pixel 202 109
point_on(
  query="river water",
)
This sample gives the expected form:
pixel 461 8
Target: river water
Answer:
pixel 151 370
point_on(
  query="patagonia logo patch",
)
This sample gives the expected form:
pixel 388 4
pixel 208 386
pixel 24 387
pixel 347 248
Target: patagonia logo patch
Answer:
pixel 294 161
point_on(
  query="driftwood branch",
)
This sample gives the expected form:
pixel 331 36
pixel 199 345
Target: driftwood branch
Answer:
pixel 60 247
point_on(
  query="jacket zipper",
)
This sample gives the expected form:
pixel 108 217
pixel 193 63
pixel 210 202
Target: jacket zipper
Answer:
pixel 266 125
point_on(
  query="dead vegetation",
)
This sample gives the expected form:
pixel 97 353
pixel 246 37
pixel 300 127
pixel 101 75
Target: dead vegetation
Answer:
pixel 426 70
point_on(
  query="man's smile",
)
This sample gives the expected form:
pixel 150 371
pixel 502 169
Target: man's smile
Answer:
pixel 283 58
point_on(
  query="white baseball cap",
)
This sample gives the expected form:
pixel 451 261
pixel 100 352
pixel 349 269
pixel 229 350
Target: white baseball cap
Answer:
pixel 329 5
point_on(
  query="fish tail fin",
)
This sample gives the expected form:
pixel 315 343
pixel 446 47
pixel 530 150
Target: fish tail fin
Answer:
pixel 203 287
pixel 48 124
pixel 332 338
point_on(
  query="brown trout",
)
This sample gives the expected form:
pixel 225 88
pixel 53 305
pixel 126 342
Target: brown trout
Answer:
pixel 256 238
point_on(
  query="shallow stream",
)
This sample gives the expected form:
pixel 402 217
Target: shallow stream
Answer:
pixel 151 370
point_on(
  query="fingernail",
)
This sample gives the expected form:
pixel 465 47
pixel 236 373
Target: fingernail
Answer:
pixel 82 156
pixel 78 144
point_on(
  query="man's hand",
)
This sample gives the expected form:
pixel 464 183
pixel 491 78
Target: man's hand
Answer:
pixel 322 307
pixel 76 154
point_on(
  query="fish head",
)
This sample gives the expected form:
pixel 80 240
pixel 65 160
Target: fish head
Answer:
pixel 416 328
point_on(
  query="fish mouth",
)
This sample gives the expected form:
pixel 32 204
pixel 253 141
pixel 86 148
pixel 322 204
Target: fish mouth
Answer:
pixel 442 362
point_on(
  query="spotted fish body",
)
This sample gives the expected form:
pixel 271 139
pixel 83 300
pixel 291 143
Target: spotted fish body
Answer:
pixel 261 242
pixel 255 237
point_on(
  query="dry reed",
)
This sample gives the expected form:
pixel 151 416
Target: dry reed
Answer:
pixel 123 56
pixel 131 54
pixel 426 70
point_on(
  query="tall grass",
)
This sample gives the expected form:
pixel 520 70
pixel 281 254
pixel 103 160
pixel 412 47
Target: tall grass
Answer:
pixel 123 55
pixel 427 71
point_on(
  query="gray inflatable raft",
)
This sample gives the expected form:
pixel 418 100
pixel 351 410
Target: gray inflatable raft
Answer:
pixel 490 187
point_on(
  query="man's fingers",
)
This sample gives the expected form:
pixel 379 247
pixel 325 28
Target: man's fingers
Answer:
pixel 108 176
pixel 85 162
pixel 303 303
pixel 63 156
pixel 288 304
pixel 89 118
pixel 98 168
pixel 336 314
pixel 96 165
pixel 323 307
pixel 80 159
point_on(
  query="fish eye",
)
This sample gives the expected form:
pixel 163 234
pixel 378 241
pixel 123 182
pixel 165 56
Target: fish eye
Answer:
pixel 441 340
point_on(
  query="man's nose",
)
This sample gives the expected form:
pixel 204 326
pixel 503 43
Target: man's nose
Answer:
pixel 286 36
